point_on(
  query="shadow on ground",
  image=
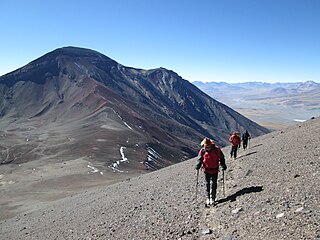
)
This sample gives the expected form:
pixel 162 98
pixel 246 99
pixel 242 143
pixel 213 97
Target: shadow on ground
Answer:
pixel 243 191
pixel 247 154
pixel 257 145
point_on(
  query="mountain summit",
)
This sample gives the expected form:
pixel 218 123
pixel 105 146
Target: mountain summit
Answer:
pixel 76 103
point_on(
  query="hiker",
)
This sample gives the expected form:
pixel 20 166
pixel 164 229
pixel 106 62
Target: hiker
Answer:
pixel 245 137
pixel 236 143
pixel 209 157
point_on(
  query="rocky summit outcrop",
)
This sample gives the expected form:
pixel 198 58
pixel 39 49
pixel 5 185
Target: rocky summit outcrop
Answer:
pixel 271 192
pixel 77 103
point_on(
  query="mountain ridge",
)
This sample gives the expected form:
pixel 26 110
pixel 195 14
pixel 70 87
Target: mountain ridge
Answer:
pixel 75 85
pixel 68 124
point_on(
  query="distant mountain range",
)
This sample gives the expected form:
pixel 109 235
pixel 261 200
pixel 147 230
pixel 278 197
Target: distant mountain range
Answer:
pixel 76 103
pixel 255 84
pixel 273 105
pixel 267 88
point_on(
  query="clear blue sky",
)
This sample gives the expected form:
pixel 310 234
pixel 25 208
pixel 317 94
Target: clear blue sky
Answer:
pixel 201 40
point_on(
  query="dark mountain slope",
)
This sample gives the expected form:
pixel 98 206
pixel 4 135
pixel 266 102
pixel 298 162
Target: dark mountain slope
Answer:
pixel 80 94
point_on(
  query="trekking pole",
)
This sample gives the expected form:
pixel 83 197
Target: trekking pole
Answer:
pixel 197 184
pixel 224 194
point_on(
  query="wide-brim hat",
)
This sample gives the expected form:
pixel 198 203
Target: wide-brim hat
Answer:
pixel 207 142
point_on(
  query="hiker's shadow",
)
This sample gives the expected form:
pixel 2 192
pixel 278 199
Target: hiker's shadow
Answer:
pixel 248 154
pixel 257 145
pixel 243 191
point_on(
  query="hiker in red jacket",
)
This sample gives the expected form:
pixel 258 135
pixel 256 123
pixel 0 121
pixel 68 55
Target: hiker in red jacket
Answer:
pixel 236 143
pixel 209 157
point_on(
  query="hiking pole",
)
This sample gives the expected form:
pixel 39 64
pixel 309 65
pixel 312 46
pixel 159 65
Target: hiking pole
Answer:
pixel 224 194
pixel 197 184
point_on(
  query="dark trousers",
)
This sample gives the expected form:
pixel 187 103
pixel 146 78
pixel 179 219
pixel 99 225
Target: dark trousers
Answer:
pixel 211 184
pixel 233 152
pixel 245 143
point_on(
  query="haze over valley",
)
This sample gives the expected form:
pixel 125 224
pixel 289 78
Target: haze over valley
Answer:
pixel 273 105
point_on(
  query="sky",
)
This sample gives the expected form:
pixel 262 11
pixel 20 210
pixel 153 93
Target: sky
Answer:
pixel 201 40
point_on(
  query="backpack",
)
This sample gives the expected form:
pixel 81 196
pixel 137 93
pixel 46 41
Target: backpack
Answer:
pixel 235 140
pixel 245 136
pixel 211 158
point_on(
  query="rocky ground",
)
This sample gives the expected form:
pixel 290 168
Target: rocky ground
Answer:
pixel 271 192
pixel 272 189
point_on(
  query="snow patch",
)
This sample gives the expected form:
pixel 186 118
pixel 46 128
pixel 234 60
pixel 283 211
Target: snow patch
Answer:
pixel 94 169
pixel 153 159
pixel 299 120
pixel 127 125
pixel 115 166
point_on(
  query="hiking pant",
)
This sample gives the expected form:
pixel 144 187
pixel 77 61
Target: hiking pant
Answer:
pixel 211 184
pixel 233 152
pixel 245 143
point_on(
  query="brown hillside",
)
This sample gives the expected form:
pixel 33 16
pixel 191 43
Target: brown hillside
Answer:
pixel 57 106
pixel 272 192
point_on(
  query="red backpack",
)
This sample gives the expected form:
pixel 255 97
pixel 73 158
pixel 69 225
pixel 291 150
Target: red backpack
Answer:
pixel 210 160
pixel 235 140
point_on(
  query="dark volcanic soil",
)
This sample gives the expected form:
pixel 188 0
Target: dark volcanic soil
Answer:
pixel 271 192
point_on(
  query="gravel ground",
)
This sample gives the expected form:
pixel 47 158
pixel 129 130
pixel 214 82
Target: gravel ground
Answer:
pixel 271 192
pixel 159 205
pixel 272 189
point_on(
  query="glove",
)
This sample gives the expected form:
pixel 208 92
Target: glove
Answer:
pixel 197 167
pixel 224 167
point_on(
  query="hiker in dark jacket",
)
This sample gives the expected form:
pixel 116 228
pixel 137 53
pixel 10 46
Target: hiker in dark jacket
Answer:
pixel 209 158
pixel 245 137
pixel 236 143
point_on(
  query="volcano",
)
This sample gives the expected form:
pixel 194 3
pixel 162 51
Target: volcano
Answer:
pixel 75 103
